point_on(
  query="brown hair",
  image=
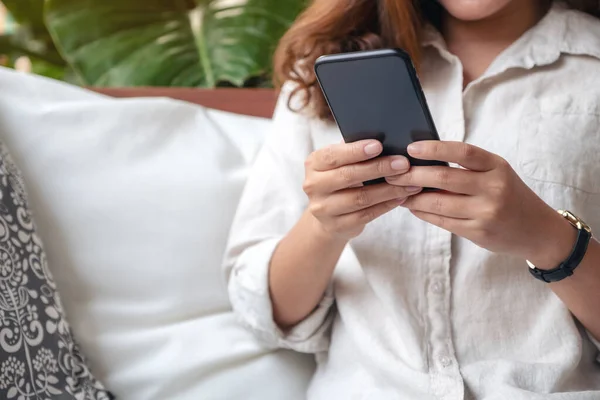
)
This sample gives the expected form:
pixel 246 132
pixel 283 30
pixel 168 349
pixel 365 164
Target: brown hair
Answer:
pixel 339 26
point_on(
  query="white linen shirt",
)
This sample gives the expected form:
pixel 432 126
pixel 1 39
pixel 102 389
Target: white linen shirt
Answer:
pixel 414 312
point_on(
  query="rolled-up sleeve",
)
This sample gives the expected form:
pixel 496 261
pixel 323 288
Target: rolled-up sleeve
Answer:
pixel 272 203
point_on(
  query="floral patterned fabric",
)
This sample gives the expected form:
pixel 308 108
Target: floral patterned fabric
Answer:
pixel 38 357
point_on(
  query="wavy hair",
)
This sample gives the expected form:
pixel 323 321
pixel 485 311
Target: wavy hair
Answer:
pixel 340 26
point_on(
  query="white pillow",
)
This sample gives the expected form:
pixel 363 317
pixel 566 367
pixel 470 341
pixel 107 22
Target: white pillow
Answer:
pixel 133 199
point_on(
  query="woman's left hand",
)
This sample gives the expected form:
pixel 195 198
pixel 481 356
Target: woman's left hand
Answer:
pixel 486 202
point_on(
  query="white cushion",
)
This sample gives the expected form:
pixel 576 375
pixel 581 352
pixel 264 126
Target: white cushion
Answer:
pixel 133 199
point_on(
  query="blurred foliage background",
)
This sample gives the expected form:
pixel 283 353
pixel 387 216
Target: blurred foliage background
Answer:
pixel 193 43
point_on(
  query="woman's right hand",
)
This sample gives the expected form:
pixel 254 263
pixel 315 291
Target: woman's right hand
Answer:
pixel 339 202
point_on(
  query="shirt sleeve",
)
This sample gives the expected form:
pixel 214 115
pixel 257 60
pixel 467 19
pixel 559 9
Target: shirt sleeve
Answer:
pixel 271 204
pixel 596 342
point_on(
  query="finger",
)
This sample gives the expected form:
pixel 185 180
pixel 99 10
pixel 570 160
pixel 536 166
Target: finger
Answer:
pixel 363 217
pixel 351 200
pixel 446 178
pixel 457 226
pixel 466 155
pixel 445 204
pixel 337 155
pixel 354 174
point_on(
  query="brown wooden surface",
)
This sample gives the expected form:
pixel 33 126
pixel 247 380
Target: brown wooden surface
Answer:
pixel 256 102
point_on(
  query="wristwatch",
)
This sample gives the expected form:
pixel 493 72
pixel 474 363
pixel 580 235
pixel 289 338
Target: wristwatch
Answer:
pixel 566 268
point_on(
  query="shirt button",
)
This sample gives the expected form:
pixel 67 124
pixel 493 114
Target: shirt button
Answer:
pixel 437 287
pixel 445 361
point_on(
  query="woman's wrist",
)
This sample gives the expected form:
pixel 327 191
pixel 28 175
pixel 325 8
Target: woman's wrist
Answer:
pixel 556 240
pixel 321 234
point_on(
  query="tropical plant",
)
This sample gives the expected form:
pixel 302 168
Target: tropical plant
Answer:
pixel 203 43
pixel 32 39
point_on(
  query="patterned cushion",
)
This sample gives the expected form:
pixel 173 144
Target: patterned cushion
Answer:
pixel 38 356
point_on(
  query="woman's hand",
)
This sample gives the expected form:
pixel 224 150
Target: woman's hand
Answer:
pixel 338 201
pixel 486 202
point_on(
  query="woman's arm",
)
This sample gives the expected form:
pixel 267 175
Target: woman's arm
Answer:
pixel 300 271
pixel 581 291
pixel 339 208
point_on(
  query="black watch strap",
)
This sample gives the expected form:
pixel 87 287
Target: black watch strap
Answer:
pixel 566 268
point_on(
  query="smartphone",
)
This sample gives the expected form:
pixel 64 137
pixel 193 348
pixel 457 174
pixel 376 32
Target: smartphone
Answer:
pixel 376 94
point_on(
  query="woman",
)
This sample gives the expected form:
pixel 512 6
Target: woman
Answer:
pixel 410 295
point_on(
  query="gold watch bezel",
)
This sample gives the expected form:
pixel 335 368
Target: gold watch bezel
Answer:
pixel 575 220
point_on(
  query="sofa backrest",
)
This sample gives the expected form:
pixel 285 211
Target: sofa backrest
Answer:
pixel 133 200
pixel 254 102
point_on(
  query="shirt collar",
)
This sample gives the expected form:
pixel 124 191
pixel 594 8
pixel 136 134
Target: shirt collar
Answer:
pixel 561 31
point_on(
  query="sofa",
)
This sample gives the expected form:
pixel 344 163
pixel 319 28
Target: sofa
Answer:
pixel 133 198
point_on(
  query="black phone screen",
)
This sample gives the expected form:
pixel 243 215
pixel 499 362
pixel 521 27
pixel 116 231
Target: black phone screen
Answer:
pixel 376 95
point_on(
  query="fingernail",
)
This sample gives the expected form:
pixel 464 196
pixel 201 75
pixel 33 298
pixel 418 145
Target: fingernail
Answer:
pixel 401 200
pixel 413 189
pixel 400 164
pixel 373 148
pixel 415 148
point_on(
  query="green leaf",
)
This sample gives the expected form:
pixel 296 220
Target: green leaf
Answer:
pixel 61 73
pixel 12 46
pixel 31 38
pixel 169 42
pixel 26 11
pixel 30 16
